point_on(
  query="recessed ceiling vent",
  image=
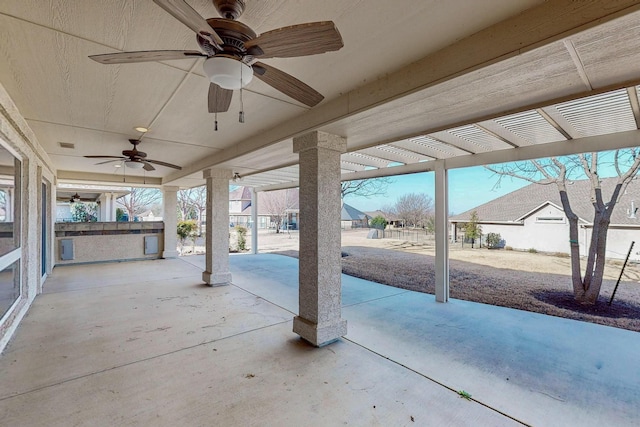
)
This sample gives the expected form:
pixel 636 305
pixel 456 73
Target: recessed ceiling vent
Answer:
pixel 69 145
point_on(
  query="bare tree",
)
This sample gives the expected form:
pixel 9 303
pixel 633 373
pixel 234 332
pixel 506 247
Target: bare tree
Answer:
pixel 557 171
pixel 192 203
pixel 414 209
pixel 199 203
pixel 276 203
pixel 138 200
pixel 365 187
pixel 184 204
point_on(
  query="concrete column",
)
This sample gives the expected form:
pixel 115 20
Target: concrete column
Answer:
pixel 217 229
pixel 113 206
pixel 105 207
pixel 320 312
pixel 442 243
pixel 254 220
pixel 170 218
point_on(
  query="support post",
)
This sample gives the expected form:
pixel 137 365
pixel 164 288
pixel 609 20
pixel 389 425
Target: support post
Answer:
pixel 217 229
pixel 320 301
pixel 442 243
pixel 170 218
pixel 254 221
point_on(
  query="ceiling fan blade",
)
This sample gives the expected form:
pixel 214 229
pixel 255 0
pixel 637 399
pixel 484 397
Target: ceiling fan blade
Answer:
pixel 147 166
pixel 145 56
pixel 297 40
pixel 287 84
pixel 158 162
pixel 219 98
pixel 105 157
pixel 184 13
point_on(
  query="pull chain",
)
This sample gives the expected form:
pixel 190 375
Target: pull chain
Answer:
pixel 241 115
pixel 215 128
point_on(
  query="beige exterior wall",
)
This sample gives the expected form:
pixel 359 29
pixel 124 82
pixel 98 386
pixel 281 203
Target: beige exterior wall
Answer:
pixel 17 137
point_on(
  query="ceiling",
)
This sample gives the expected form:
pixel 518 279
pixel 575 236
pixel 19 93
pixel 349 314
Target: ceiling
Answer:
pixel 416 82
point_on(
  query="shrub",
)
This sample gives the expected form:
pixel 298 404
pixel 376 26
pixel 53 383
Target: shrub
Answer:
pixel 494 240
pixel 508 248
pixel 242 240
pixel 378 222
pixel 533 251
pixel 562 255
pixel 84 212
pixel 186 229
pixel 120 215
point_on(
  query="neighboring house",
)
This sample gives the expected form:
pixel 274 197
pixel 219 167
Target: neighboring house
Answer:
pixel 353 218
pixel 532 218
pixel 280 203
pixel 283 204
pixel 392 220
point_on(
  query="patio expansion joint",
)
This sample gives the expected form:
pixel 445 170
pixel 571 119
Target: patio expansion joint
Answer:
pixel 146 359
pixel 264 299
pixel 118 285
pixel 377 299
pixel 435 381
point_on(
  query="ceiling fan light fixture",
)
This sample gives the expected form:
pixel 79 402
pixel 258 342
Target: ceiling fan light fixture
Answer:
pixel 133 164
pixel 75 198
pixel 228 73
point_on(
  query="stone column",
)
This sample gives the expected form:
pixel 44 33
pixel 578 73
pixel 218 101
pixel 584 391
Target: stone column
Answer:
pixel 320 305
pixel 217 229
pixel 170 218
pixel 442 243
pixel 254 220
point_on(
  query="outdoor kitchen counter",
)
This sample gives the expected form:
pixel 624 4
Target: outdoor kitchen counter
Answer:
pixel 86 242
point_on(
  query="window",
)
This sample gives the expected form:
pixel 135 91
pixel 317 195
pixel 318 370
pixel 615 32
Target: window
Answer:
pixel 550 219
pixel 10 252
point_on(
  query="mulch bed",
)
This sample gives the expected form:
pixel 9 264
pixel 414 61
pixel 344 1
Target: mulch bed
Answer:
pixel 537 292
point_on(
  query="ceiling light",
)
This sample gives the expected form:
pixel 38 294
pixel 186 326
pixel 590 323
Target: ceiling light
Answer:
pixel 141 129
pixel 75 198
pixel 228 73
pixel 236 177
pixel 134 164
pixel 117 165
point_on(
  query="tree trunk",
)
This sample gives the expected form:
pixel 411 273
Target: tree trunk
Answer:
pixel 576 274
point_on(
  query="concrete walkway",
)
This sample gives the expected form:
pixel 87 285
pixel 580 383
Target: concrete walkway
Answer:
pixel 145 343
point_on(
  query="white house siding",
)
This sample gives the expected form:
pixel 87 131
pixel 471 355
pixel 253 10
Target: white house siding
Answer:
pixel 618 241
pixel 545 230
pixel 547 236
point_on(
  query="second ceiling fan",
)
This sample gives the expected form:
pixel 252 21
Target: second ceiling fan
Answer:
pixel 231 50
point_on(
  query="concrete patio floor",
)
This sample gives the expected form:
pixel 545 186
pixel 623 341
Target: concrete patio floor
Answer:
pixel 145 343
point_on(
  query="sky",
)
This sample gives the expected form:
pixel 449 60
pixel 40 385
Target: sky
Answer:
pixel 473 186
pixel 468 188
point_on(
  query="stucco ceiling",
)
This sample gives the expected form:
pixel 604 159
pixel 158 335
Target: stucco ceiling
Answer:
pixel 407 69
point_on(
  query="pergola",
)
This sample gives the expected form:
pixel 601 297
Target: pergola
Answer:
pixel 418 86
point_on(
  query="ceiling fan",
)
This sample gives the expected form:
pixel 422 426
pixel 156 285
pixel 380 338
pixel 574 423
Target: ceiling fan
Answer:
pixel 134 159
pixel 231 50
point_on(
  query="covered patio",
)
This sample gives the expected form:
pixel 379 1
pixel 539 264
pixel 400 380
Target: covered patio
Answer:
pixel 138 344
pixel 440 86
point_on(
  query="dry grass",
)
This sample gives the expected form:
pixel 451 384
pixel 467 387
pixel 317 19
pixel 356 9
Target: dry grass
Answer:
pixel 408 267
